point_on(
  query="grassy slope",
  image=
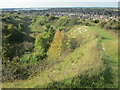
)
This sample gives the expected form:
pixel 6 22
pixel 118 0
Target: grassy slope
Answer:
pixel 97 51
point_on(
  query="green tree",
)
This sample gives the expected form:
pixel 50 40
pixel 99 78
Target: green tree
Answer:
pixel 43 41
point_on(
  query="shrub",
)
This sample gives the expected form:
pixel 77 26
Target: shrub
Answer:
pixel 96 21
pixel 58 45
pixel 51 18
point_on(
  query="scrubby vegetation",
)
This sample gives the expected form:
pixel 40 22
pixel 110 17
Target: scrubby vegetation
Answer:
pixel 112 24
pixel 58 52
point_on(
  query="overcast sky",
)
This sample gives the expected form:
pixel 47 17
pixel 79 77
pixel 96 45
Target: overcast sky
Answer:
pixel 57 3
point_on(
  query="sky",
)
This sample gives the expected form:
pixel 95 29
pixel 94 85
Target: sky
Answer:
pixel 57 3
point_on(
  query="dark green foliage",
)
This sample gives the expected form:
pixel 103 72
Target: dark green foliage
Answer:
pixel 20 26
pixel 29 58
pixel 88 24
pixel 112 24
pixel 51 18
pixel 43 41
pixel 61 28
pixel 47 15
pixel 16 70
pixel 110 72
pixel 48 27
pixel 81 81
pixel 16 37
pixel 41 46
pixel 15 44
pixel 96 21
pixel 19 22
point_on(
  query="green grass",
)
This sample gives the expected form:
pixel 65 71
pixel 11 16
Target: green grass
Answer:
pixel 102 32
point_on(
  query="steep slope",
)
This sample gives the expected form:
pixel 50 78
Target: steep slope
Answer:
pixel 87 65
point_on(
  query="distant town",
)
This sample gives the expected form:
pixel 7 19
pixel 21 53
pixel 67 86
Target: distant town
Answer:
pixel 83 13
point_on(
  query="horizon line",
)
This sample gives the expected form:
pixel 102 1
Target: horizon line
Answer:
pixel 61 7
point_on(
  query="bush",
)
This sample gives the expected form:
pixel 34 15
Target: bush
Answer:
pixel 113 24
pixel 88 24
pixel 51 18
pixel 96 21
pixel 81 81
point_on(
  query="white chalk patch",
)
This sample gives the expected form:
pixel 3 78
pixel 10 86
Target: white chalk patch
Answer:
pixel 53 71
pixel 85 30
pixel 103 49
